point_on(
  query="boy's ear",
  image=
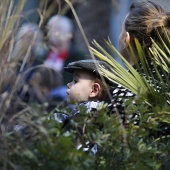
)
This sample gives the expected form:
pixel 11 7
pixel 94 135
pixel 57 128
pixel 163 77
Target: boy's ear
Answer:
pixel 94 90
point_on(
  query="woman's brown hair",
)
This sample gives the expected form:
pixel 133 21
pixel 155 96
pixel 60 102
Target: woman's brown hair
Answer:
pixel 147 20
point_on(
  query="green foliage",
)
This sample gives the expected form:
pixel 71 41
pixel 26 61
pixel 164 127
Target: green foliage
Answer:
pixel 30 138
pixel 147 145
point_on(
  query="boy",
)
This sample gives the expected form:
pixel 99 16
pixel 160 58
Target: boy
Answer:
pixel 89 87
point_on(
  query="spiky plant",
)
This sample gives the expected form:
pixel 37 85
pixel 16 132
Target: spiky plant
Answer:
pixel 151 96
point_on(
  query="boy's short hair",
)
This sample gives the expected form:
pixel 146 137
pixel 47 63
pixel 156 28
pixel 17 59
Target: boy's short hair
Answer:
pixel 91 66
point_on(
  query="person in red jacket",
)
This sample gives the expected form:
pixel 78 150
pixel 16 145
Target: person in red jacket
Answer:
pixel 61 47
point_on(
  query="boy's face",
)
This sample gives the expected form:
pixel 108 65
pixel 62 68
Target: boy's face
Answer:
pixel 81 86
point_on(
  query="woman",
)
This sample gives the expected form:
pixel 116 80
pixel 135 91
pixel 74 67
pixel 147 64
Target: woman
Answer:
pixel 145 20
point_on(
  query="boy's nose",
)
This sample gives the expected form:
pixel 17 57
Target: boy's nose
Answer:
pixel 69 85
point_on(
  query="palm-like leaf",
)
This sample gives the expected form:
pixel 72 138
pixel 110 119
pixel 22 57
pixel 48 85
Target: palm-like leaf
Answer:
pixel 141 82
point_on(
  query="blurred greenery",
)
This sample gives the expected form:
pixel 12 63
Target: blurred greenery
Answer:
pixel 30 137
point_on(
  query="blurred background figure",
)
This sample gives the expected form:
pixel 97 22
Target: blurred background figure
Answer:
pixel 27 51
pixel 45 85
pixel 29 48
pixel 44 89
pixel 62 49
pixel 59 34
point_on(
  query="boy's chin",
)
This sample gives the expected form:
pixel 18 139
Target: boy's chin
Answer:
pixel 71 101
